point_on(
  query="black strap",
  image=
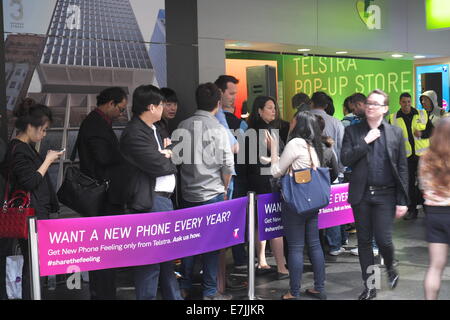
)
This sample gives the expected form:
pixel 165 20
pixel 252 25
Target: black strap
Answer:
pixel 74 150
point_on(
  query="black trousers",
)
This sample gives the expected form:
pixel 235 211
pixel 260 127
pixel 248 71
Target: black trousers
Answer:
pixel 102 283
pixel 414 193
pixel 374 216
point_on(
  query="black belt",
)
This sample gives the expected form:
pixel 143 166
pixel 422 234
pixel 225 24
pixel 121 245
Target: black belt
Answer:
pixel 164 194
pixel 377 188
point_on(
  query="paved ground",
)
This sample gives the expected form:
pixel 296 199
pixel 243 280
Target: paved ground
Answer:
pixel 343 274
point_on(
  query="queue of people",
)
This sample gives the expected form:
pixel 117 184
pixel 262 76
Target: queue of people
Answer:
pixel 379 155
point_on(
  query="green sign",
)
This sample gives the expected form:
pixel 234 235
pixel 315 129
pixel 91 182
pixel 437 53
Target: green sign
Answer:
pixel 438 14
pixel 341 77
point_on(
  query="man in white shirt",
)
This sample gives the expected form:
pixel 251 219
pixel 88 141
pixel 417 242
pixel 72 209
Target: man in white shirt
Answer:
pixel 151 183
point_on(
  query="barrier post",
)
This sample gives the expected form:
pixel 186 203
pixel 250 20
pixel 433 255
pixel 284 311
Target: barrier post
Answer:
pixel 251 245
pixel 34 259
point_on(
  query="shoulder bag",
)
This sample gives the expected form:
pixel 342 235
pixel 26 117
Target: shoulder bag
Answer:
pixel 306 190
pixel 81 193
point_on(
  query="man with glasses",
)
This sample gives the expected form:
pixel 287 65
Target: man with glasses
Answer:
pixel 100 158
pixel 378 191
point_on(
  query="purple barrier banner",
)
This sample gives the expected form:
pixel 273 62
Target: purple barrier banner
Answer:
pixel 85 244
pixel 269 216
pixel 338 212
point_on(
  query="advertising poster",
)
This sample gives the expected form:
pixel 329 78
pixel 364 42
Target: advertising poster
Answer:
pixel 62 53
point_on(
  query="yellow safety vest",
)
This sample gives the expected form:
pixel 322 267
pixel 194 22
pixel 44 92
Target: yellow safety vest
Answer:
pixel 419 122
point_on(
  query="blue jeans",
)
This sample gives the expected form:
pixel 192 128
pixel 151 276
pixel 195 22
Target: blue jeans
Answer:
pixel 146 277
pixel 296 227
pixel 230 191
pixel 334 238
pixel 344 234
pixel 210 260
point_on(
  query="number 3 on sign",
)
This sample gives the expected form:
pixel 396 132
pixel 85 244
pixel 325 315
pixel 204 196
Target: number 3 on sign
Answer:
pixel 73 20
pixel 18 11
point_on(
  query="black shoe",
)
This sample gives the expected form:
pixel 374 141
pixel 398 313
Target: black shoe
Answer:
pixel 235 284
pixel 368 294
pixel 411 215
pixel 263 271
pixel 282 276
pixel 392 278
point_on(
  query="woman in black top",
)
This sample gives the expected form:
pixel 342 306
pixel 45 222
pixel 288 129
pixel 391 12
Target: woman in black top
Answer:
pixel 262 118
pixel 25 170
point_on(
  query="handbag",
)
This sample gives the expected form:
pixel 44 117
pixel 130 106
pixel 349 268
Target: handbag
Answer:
pixel 307 190
pixel 80 192
pixel 15 211
pixel 14 215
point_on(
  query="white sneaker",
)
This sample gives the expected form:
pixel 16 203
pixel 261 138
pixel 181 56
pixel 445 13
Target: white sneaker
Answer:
pixel 337 252
pixel 355 252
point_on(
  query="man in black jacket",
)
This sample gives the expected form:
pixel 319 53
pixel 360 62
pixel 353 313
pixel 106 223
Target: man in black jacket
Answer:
pixel 151 183
pixel 100 158
pixel 378 190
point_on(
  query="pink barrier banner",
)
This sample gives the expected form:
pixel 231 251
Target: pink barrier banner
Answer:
pixel 338 212
pixel 94 243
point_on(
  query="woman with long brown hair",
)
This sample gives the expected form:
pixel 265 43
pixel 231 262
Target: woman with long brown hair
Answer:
pixel 434 177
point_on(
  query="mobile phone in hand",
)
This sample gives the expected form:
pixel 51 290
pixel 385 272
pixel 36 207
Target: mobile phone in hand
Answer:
pixel 172 145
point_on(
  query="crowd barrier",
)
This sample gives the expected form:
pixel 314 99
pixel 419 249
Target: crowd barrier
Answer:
pixel 59 246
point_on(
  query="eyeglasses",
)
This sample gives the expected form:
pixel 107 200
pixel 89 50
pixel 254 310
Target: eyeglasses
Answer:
pixel 376 105
pixel 122 110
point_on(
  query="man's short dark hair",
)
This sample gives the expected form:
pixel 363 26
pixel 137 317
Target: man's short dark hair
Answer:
pixel 346 105
pixel 320 99
pixel 169 95
pixel 207 96
pixel 358 97
pixel 299 99
pixel 115 94
pixel 222 81
pixel 143 96
pixel 405 95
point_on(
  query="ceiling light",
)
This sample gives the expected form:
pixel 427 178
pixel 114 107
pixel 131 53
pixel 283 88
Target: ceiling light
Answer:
pixel 303 50
pixel 396 55
pixel 419 57
pixel 240 44
pixel 341 52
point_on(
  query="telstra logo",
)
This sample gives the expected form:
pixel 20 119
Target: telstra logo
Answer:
pixel 370 14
